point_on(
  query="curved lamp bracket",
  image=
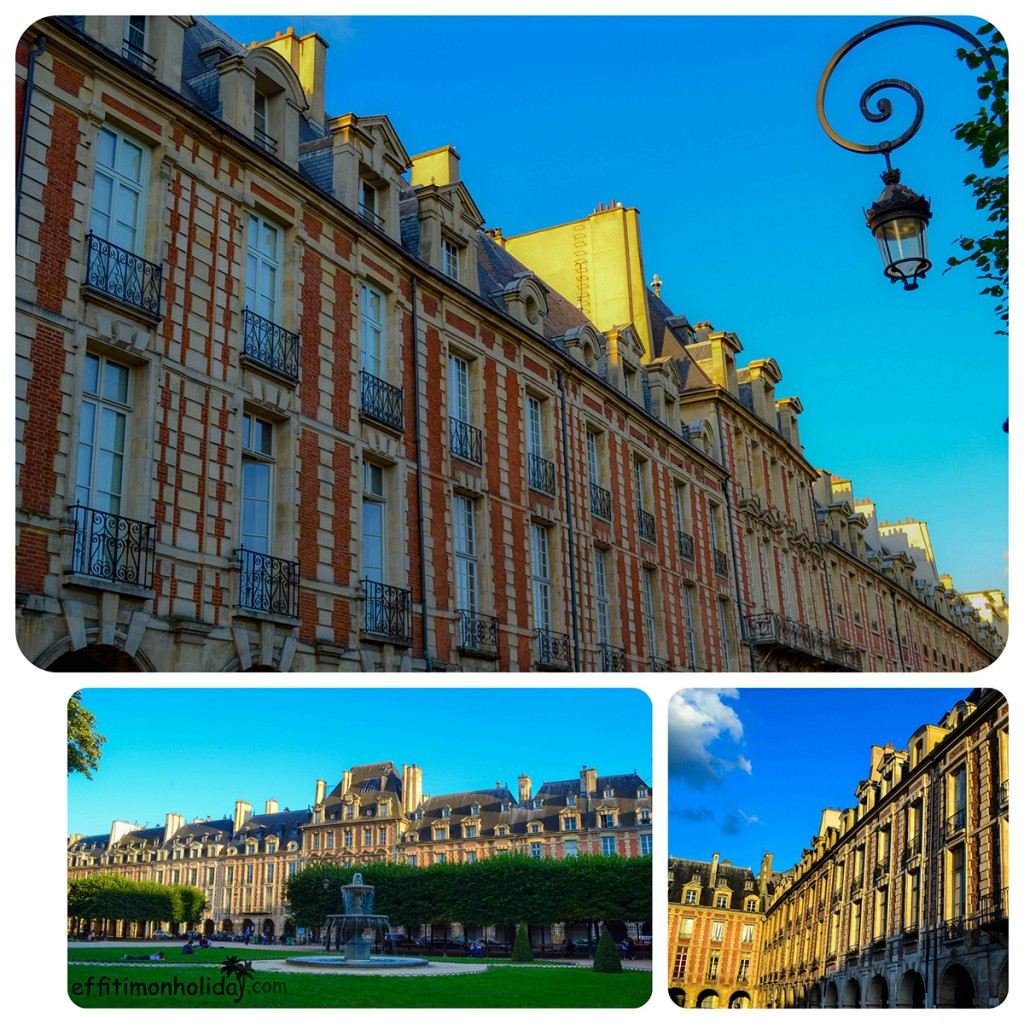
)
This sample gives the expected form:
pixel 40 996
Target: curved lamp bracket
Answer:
pixel 883 109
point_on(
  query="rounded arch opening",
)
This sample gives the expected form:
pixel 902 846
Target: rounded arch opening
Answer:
pixel 956 988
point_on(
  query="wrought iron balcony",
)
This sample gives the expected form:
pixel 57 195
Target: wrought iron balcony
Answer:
pixel 645 521
pixel 600 502
pixel 912 848
pixel 956 822
pixel 372 216
pixel 264 141
pixel 773 629
pixel 721 563
pixel 660 665
pixel 954 929
pixel 465 441
pixel 686 551
pixel 477 633
pixel 138 56
pixel 1004 793
pixel 613 659
pixel 122 275
pixel 112 547
pixel 541 474
pixel 387 611
pixel 383 401
pixel 269 344
pixel 994 908
pixel 269 584
pixel 552 649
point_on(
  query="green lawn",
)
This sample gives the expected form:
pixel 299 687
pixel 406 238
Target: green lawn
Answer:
pixel 503 985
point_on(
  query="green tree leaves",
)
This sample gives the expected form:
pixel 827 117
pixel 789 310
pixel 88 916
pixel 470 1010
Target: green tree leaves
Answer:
pixel 84 742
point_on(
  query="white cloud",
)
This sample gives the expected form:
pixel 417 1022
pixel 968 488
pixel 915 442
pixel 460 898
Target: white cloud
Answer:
pixel 696 720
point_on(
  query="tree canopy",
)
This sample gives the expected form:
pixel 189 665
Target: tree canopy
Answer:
pixel 116 898
pixel 84 742
pixel 989 133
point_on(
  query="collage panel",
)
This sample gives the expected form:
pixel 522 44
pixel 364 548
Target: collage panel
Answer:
pixel 838 848
pixel 294 864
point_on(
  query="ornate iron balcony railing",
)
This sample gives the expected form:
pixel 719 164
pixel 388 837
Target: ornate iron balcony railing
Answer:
pixel 954 929
pixel 686 551
pixel 1004 793
pixel 382 401
pixel 138 56
pixel 552 649
pixel 994 906
pixel 465 441
pixel 774 629
pixel 956 822
pixel 387 611
pixel 541 474
pixel 270 344
pixel 613 659
pixel 600 502
pixel 721 563
pixel 112 547
pixel 478 632
pixel 645 522
pixel 660 665
pixel 122 275
pixel 268 584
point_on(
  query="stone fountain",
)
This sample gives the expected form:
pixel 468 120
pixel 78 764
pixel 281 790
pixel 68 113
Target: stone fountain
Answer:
pixel 356 933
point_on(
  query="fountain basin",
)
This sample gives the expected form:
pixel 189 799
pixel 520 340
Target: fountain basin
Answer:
pixel 373 963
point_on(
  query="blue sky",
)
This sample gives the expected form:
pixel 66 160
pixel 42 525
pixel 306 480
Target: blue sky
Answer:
pixel 196 751
pixel 750 215
pixel 750 770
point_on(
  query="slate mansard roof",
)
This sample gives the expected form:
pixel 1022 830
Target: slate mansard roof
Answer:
pixel 741 881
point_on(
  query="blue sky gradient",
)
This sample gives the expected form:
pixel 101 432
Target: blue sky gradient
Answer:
pixel 750 770
pixel 751 215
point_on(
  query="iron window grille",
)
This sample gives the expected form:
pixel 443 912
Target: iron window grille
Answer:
pixel 721 563
pixel 552 649
pixel 648 532
pixel 956 822
pixel 122 275
pixel 600 502
pixel 383 401
pixel 541 473
pixel 268 584
pixel 269 344
pixel 478 632
pixel 465 441
pixel 660 665
pixel 113 547
pixel 387 611
pixel 686 546
pixel 955 929
pixel 613 659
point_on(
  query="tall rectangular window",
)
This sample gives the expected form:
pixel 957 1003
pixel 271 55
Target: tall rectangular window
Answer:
pixel 912 888
pixel 957 885
pixel 593 465
pixel 601 596
pixel 717 931
pixel 646 845
pixel 458 388
pixel 679 967
pixel 449 259
pixel 372 534
pixel 572 848
pixel 690 630
pixel 650 626
pixel 541 567
pixel 257 479
pixel 534 427
pixel 608 846
pixel 119 192
pixel 263 269
pixel 723 621
pixel 713 968
pixel 371 333
pixel 465 554
pixel 103 434
pixel 536 850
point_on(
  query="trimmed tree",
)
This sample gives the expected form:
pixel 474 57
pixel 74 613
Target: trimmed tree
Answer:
pixel 522 951
pixel 606 958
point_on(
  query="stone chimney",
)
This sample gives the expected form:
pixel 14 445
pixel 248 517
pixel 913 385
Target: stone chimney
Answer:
pixel 412 788
pixel 346 781
pixel 437 167
pixel 766 873
pixel 119 829
pixel 171 825
pixel 525 788
pixel 588 781
pixel 271 807
pixel 713 876
pixel 308 58
pixel 321 792
pixel 243 812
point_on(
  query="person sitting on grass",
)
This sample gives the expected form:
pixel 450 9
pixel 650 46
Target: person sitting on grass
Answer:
pixel 148 956
pixel 188 949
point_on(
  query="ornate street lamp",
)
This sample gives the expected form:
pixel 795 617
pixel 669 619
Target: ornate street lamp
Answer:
pixel 899 217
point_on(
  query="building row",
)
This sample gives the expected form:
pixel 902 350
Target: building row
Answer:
pixel 901 900
pixel 283 403
pixel 375 814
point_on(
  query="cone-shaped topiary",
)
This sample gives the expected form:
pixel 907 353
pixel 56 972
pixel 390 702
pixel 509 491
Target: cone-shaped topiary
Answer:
pixel 522 951
pixel 606 956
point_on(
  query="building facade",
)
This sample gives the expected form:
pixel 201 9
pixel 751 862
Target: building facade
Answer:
pixel 902 900
pixel 374 814
pixel 282 403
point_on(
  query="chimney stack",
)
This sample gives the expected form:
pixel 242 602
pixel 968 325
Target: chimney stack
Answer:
pixel 243 812
pixel 525 788
pixel 271 807
pixel 321 791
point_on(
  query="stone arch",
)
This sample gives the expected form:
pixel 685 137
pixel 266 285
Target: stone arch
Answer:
pixel 831 994
pixel 812 995
pixel 790 998
pixel 708 999
pixel 851 994
pixel 678 996
pixel 911 991
pixel 266 64
pixel 1002 985
pixel 957 988
pixel 740 1000
pixel 878 992
pixel 93 658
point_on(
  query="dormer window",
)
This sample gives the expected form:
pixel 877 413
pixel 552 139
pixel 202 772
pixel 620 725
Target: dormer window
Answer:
pixel 571 800
pixel 534 829
pixel 609 792
pixel 446 812
pixel 450 254
pixel 350 812
pixel 260 122
pixel 641 793
pixel 690 897
pixel 502 830
pixel 474 809
pixel 368 204
pixel 134 46
pixel 506 805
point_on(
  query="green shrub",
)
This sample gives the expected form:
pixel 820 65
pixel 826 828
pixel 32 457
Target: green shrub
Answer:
pixel 522 951
pixel 606 957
